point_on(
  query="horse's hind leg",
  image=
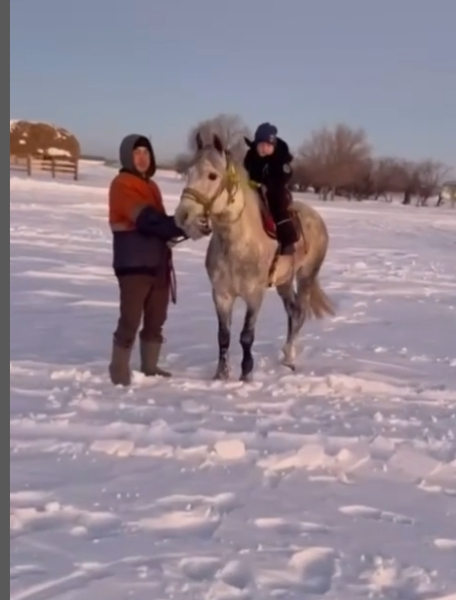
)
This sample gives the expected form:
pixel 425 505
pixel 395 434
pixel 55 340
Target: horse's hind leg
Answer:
pixel 296 316
pixel 224 308
pixel 248 335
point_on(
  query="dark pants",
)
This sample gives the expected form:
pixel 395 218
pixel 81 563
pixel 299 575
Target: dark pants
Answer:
pixel 279 202
pixel 141 297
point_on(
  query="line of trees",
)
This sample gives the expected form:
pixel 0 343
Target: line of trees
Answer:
pixel 335 162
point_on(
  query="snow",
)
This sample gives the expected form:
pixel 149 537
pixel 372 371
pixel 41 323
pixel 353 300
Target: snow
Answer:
pixel 57 151
pixel 337 481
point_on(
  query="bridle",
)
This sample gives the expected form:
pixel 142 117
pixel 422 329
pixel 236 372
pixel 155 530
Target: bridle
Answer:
pixel 229 183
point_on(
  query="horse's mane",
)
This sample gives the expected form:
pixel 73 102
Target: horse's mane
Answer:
pixel 244 183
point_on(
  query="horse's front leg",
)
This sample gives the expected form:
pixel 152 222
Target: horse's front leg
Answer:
pixel 224 308
pixel 248 335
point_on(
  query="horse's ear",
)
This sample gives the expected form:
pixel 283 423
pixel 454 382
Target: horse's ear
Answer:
pixel 218 144
pixel 199 141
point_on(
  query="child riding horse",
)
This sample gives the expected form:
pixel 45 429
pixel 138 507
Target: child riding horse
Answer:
pixel 267 163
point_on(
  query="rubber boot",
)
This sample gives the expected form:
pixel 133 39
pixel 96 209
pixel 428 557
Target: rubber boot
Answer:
pixel 119 367
pixel 150 353
pixel 287 238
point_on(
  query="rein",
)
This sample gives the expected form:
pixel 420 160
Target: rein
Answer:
pixel 229 183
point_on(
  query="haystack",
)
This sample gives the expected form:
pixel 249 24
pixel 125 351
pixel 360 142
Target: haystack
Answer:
pixel 42 140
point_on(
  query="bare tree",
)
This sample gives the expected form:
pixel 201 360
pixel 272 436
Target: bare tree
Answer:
pixel 230 129
pixel 300 179
pixel 407 180
pixel 430 176
pixel 335 158
pixel 388 177
pixel 363 185
pixel 313 158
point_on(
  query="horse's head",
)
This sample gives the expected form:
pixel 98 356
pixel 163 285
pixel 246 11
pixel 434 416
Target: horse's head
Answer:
pixel 212 190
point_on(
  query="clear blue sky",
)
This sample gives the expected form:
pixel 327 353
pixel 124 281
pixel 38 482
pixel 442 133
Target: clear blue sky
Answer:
pixel 104 68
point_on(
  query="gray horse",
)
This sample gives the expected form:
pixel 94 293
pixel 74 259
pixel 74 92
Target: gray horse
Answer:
pixel 218 199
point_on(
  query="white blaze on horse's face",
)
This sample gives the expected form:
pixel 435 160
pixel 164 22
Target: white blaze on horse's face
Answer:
pixel 204 195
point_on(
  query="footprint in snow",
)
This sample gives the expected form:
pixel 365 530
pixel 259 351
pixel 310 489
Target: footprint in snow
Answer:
pixel 368 512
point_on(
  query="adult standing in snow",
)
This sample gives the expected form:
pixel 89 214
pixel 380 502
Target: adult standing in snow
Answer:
pixel 142 261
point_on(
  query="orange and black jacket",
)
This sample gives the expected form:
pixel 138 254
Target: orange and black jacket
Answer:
pixel 138 220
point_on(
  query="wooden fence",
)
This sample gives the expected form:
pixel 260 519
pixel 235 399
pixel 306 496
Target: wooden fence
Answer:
pixel 54 165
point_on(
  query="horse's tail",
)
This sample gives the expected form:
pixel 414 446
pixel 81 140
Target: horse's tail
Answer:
pixel 311 298
pixel 314 300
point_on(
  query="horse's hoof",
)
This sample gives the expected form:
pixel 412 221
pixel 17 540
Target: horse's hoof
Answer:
pixel 221 376
pixel 289 364
pixel 218 377
pixel 246 377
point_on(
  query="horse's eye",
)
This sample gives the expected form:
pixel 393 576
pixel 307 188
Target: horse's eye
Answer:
pixel 212 176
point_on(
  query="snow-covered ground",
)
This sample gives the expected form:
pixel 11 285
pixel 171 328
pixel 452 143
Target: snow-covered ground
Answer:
pixel 338 481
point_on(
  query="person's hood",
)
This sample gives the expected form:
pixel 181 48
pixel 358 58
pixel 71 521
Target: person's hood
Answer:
pixel 126 153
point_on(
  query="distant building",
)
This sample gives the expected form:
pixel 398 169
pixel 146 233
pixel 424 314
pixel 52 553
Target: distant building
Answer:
pixel 448 192
pixel 449 189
